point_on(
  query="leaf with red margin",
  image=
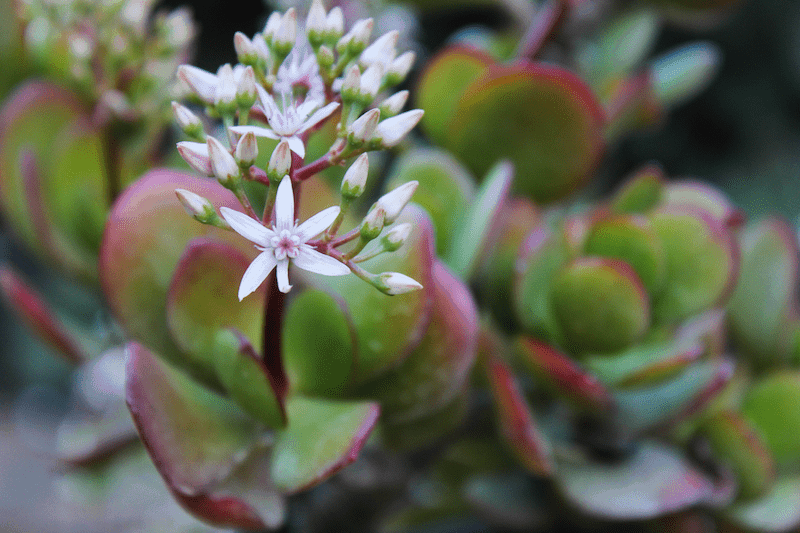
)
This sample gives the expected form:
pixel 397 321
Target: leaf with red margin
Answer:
pixel 516 421
pixel 38 316
pixel 323 436
pixel 145 237
pixel 640 192
pixel 563 375
pixel 202 298
pixel 654 481
pixel 438 369
pixel 704 196
pixel 544 119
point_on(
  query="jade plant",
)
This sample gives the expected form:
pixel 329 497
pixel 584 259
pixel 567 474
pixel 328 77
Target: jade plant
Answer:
pixel 324 317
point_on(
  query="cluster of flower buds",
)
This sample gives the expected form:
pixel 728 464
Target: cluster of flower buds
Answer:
pixel 118 53
pixel 292 80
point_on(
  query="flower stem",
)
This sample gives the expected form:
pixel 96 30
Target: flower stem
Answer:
pixel 273 326
pixel 310 169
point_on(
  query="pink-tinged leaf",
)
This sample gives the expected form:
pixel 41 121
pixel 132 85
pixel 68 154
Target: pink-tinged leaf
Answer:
pixel 145 237
pixel 517 425
pixel 509 500
pixel 641 192
pixel 708 329
pixel 434 426
pixel 438 369
pixel 773 405
pixel 777 512
pixel 544 119
pixel 703 196
pixel 202 298
pixel 563 375
pixel 323 436
pixel 654 481
pixel 37 315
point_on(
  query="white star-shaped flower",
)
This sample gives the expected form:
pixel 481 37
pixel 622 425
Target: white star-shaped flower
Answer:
pixel 290 121
pixel 285 241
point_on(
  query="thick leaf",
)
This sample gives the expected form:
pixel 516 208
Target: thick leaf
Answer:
pixel 201 299
pixel 641 192
pixel 510 500
pixel 145 237
pixel 654 481
pixel 445 189
pixel 777 512
pixel 472 233
pixel 323 436
pixel 414 434
pixel 773 405
pixel 515 418
pixel 445 78
pixel 562 375
pixel 388 328
pixel 764 299
pixel 438 369
pixel 318 345
pixel 702 262
pixel 543 119
pixel 600 305
pixel 703 196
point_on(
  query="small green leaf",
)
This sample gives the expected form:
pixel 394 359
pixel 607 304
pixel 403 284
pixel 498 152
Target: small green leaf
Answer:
pixel 773 405
pixel 777 512
pixel 641 192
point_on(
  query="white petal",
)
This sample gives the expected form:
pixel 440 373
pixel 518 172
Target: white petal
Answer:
pixel 284 205
pixel 267 101
pixel 247 227
pixel 319 116
pixel 255 130
pixel 283 276
pixel 296 145
pixel 256 273
pixel 317 224
pixel 311 260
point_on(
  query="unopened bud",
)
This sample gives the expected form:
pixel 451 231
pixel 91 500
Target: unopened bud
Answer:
pixel 399 68
pixel 187 121
pixel 394 104
pixel 178 28
pixel 371 83
pixel 334 24
pixel 372 225
pixel 382 51
pixel 363 127
pixel 392 203
pixel 196 155
pixel 394 283
pixel 271 27
pixel 354 41
pixel 261 49
pixel 316 23
pixel 246 90
pixel 396 237
pixel 280 162
pixel 246 150
pixel 355 179
pixel 245 49
pixel 392 130
pixel 202 83
pixel 225 97
pixel 223 164
pixel 351 86
pixel 284 39
pixel 325 57
pixel 197 207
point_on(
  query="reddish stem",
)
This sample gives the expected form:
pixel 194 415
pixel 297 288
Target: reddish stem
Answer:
pixel 310 169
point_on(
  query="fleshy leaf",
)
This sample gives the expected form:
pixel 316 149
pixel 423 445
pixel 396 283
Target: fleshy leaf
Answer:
pixel 654 481
pixel 510 500
pixel 600 304
pixel 777 512
pixel 516 421
pixel 773 405
pixel 543 119
pixel 559 373
pixel 445 189
pixel 472 233
pixel 406 436
pixel 641 192
pixel 145 237
pixel 323 436
pixel 318 351
pixel 703 196
pixel 438 369
pixel 445 78
pixel 201 299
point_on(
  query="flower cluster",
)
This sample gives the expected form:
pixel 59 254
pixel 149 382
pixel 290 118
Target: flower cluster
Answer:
pixel 292 80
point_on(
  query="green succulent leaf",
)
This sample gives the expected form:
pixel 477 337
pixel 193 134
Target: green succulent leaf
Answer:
pixel 777 512
pixel 773 406
pixel 641 192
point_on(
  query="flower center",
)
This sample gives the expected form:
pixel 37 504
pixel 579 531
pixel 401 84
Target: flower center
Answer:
pixel 286 244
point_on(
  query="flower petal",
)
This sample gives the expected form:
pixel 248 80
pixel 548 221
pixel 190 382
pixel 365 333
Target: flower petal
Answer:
pixel 319 116
pixel 267 101
pixel 256 273
pixel 283 276
pixel 317 224
pixel 296 145
pixel 256 130
pixel 246 226
pixel 313 261
pixel 284 205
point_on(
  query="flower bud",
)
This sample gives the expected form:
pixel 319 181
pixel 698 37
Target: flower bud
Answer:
pixel 280 162
pixel 351 86
pixel 284 38
pixel 223 164
pixel 334 24
pixel 179 29
pixel 355 179
pixel 202 83
pixel 225 97
pixel 197 207
pixel 392 130
pixel 392 203
pixel 363 127
pixel 196 155
pixel 261 49
pixel 246 150
pixel 246 90
pixel 372 225
pixel 394 283
pixel 399 68
pixel 357 38
pixel 325 57
pixel 316 23
pixel 382 51
pixel 245 49
pixel 371 83
pixel 396 237
pixel 271 27
pixel 394 104
pixel 187 121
